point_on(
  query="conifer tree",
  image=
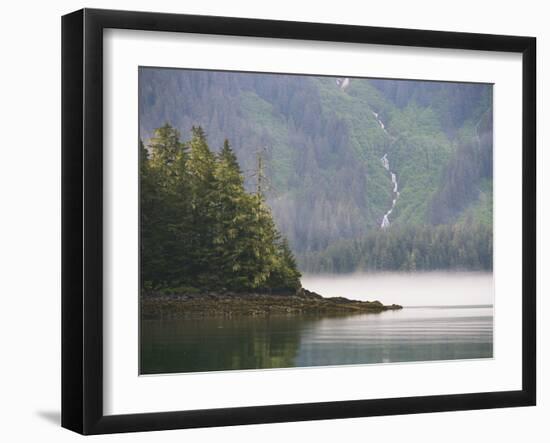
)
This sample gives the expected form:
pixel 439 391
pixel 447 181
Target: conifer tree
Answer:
pixel 164 206
pixel 286 275
pixel 201 166
pixel 231 202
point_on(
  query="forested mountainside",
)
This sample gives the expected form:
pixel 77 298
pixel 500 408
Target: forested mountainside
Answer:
pixel 347 162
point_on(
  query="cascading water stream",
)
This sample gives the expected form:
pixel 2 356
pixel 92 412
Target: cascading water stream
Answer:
pixel 386 164
pixel 379 121
pixel 343 83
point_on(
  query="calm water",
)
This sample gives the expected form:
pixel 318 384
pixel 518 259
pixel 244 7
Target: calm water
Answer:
pixel 446 317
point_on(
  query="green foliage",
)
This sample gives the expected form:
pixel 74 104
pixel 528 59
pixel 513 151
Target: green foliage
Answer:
pixel 465 246
pixel 163 215
pixel 199 227
pixel 468 176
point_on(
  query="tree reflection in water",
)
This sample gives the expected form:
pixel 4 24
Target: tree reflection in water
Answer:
pixel 206 344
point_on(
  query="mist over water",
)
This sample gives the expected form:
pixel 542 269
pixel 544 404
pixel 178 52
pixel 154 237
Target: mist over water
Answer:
pixel 406 288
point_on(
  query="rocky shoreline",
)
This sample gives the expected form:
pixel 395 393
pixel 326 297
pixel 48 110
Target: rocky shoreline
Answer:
pixel 302 302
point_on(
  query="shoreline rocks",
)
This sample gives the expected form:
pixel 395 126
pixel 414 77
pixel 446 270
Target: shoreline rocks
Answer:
pixel 229 304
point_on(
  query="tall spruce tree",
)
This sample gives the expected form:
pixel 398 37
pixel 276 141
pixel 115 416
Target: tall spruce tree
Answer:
pixel 164 207
pixel 231 204
pixel 203 187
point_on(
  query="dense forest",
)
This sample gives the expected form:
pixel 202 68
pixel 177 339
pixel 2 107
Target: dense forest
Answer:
pixel 199 228
pixel 323 141
pixel 413 248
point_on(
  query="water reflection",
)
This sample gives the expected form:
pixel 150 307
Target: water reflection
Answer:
pixel 412 334
pixel 208 344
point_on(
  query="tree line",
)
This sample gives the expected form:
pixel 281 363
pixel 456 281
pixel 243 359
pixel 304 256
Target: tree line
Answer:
pixel 199 228
pixel 465 246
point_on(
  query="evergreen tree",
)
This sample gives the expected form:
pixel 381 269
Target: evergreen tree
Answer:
pixel 164 206
pixel 286 275
pixel 203 186
pixel 231 202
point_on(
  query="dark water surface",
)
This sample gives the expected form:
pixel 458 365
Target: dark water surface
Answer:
pixel 412 334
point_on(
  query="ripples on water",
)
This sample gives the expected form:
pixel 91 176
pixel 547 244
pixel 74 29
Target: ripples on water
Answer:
pixel 413 334
pixel 416 333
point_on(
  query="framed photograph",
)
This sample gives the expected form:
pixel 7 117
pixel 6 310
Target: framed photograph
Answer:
pixel 269 221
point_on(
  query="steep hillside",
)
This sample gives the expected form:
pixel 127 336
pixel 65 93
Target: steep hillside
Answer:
pixel 340 154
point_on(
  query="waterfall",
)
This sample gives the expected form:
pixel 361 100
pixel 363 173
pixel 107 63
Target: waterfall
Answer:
pixel 343 83
pixel 385 162
pixel 379 121
pixel 395 189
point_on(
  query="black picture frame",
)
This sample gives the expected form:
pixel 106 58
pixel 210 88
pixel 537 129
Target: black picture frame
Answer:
pixel 82 218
